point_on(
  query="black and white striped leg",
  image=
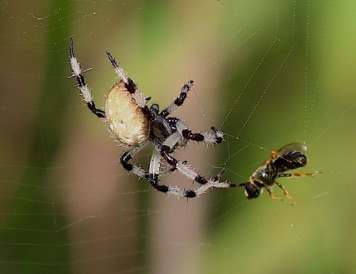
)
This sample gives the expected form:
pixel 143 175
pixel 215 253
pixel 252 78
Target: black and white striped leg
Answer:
pixel 154 172
pixel 179 101
pixel 210 138
pixel 153 178
pixel 154 169
pixel 129 83
pixel 83 87
pixel 128 155
pixel 206 184
pixel 173 139
pixel 215 137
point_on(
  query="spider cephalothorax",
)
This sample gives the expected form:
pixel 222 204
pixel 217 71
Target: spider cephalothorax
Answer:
pixel 136 125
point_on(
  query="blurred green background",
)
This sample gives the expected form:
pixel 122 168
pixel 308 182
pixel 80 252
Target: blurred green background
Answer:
pixel 266 72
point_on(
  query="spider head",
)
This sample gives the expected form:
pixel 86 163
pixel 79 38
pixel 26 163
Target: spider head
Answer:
pixel 161 128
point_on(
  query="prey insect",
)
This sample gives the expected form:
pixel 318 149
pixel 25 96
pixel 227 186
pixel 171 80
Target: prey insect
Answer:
pixel 287 158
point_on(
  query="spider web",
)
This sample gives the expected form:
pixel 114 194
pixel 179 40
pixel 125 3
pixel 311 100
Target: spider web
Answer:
pixel 267 73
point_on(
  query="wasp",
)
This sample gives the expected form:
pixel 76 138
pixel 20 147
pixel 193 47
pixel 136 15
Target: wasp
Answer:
pixel 289 157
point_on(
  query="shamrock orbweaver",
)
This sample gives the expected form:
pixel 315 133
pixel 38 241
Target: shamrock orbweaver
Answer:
pixel 136 125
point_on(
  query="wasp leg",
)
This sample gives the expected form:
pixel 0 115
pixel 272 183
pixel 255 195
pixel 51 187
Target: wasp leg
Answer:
pixel 286 193
pixel 293 175
pixel 269 189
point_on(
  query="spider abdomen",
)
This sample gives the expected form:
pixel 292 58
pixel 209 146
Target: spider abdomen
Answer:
pixel 125 118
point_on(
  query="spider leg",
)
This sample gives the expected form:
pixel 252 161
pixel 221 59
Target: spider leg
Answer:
pixel 178 101
pixel 165 151
pixel 140 99
pixel 83 87
pixel 216 137
pixel 153 177
pixel 128 155
pixel 206 184
pixel 190 193
pixel 209 138
pixel 154 172
pixel 129 83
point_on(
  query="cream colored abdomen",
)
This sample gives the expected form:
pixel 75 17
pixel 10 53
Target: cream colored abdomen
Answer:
pixel 125 119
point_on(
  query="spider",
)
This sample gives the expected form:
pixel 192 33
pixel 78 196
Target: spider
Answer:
pixel 286 158
pixel 136 125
